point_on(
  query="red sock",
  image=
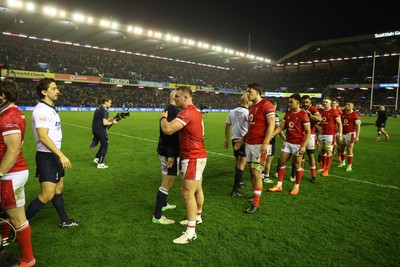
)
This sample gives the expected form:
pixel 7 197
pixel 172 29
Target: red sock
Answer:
pixel 299 175
pixel 349 159
pixel 343 157
pixel 328 162
pixel 257 196
pixel 313 171
pixel 281 173
pixel 24 240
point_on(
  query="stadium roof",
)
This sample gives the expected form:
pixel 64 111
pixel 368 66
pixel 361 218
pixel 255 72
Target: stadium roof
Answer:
pixel 346 48
pixel 33 24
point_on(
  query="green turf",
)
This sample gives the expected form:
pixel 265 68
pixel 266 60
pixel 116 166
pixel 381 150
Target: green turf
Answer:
pixel 347 219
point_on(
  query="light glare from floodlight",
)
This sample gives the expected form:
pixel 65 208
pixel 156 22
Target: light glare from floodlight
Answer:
pixel 105 23
pixel 137 30
pixel 50 11
pixel 14 3
pixel 78 17
pixel 30 6
pixel 114 25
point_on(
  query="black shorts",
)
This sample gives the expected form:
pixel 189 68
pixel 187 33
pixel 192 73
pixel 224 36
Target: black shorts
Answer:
pixel 48 167
pixel 380 124
pixel 241 152
pixel 272 143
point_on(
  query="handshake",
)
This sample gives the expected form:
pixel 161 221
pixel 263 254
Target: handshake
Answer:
pixel 119 116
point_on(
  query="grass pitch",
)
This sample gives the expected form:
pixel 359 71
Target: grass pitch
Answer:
pixel 347 219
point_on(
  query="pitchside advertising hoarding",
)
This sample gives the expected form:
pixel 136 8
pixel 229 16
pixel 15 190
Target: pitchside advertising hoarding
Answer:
pixel 276 94
pixel 77 78
pixel 26 74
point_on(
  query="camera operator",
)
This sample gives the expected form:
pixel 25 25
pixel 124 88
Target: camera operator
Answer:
pixel 99 129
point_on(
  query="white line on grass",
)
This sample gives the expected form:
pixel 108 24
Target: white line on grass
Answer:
pixel 230 156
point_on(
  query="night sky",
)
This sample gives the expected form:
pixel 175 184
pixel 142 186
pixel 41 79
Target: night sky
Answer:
pixel 271 31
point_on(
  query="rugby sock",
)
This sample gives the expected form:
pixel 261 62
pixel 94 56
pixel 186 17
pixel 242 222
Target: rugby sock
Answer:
pixel 58 203
pixel 257 195
pixel 24 240
pixel 161 201
pixel 299 175
pixel 238 180
pixel 343 157
pixel 34 207
pixel 191 227
pixel 281 173
pixel 328 162
pixel 313 171
pixel 350 160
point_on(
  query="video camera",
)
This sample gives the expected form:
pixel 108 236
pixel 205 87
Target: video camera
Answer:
pixel 119 116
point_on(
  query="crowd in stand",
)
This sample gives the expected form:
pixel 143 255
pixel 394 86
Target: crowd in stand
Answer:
pixel 84 95
pixel 34 55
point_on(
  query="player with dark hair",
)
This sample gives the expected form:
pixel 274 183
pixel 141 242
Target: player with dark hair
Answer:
pixel 100 123
pixel 297 125
pixel 315 118
pixel 351 134
pixel 257 140
pixel 336 146
pixel 14 171
pixel 271 152
pixel 51 162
